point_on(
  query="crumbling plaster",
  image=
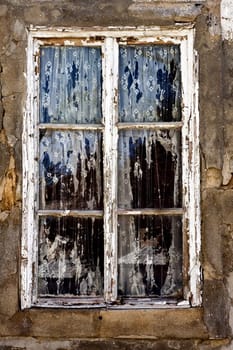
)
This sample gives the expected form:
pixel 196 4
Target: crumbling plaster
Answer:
pixel 208 327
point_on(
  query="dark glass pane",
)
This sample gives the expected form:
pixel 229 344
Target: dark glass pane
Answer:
pixel 149 83
pixel 70 256
pixel 71 170
pixel 70 85
pixel 149 256
pixel 149 169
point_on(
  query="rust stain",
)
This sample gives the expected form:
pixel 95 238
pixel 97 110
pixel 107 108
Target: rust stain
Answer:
pixel 73 41
pixel 9 186
pixel 157 41
pixel 36 70
pixel 186 256
pixel 3 138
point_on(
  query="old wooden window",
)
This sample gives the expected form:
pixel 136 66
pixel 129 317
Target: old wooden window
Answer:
pixel 111 169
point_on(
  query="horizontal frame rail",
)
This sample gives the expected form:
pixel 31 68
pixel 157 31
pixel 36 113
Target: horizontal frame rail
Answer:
pixel 70 126
pixel 148 125
pixel 149 211
pixel 76 213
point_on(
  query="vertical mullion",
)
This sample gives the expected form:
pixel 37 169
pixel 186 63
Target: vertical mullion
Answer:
pixel 110 87
pixel 186 113
pixel 29 227
pixel 196 278
pixel 36 118
pixel 191 172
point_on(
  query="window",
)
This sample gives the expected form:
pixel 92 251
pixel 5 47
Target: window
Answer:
pixel 111 169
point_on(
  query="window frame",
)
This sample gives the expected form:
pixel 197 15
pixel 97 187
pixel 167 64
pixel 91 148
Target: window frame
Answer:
pixel 110 39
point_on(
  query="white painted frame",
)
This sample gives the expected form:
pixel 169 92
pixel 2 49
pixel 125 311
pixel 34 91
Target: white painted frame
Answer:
pixel 110 37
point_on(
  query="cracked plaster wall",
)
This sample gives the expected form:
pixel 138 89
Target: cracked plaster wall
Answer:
pixel 209 327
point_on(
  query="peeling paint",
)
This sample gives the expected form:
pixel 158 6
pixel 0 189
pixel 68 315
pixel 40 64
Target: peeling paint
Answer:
pixel 227 169
pixel 227 19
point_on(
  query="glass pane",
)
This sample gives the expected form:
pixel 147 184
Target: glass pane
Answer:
pixel 149 256
pixel 149 169
pixel 70 256
pixel 149 83
pixel 71 170
pixel 70 85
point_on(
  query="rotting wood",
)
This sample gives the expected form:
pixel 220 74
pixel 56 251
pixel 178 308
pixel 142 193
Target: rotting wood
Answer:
pixel 149 211
pixel 152 125
pixel 74 213
pixel 56 126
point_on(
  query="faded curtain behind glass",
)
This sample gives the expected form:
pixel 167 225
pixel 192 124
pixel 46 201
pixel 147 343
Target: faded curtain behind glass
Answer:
pixel 70 85
pixel 71 170
pixel 149 172
pixel 149 169
pixel 149 84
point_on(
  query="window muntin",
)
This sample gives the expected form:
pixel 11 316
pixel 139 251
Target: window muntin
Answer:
pixel 142 217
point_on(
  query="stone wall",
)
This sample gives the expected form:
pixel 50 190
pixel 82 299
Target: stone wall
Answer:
pixel 207 327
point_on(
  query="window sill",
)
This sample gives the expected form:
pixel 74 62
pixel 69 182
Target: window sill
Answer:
pixel 116 323
pixel 127 304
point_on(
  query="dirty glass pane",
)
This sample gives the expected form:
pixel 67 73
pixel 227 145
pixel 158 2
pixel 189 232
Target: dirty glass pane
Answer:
pixel 149 169
pixel 70 256
pixel 70 175
pixel 70 84
pixel 149 83
pixel 149 256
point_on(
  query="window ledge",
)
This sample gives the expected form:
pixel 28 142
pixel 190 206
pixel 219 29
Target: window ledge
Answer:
pixel 129 304
pixel 169 323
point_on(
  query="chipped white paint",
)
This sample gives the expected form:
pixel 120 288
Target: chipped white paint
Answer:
pixel 191 166
pixel 181 35
pixel 194 189
pixel 227 19
pixel 227 168
pixel 172 34
pixel 156 125
pixel 29 236
pixel 110 74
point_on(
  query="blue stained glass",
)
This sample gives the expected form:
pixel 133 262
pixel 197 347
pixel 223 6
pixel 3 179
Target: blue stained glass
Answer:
pixel 70 85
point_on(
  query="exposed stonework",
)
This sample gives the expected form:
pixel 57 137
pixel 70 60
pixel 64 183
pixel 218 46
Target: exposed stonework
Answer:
pixel 213 178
